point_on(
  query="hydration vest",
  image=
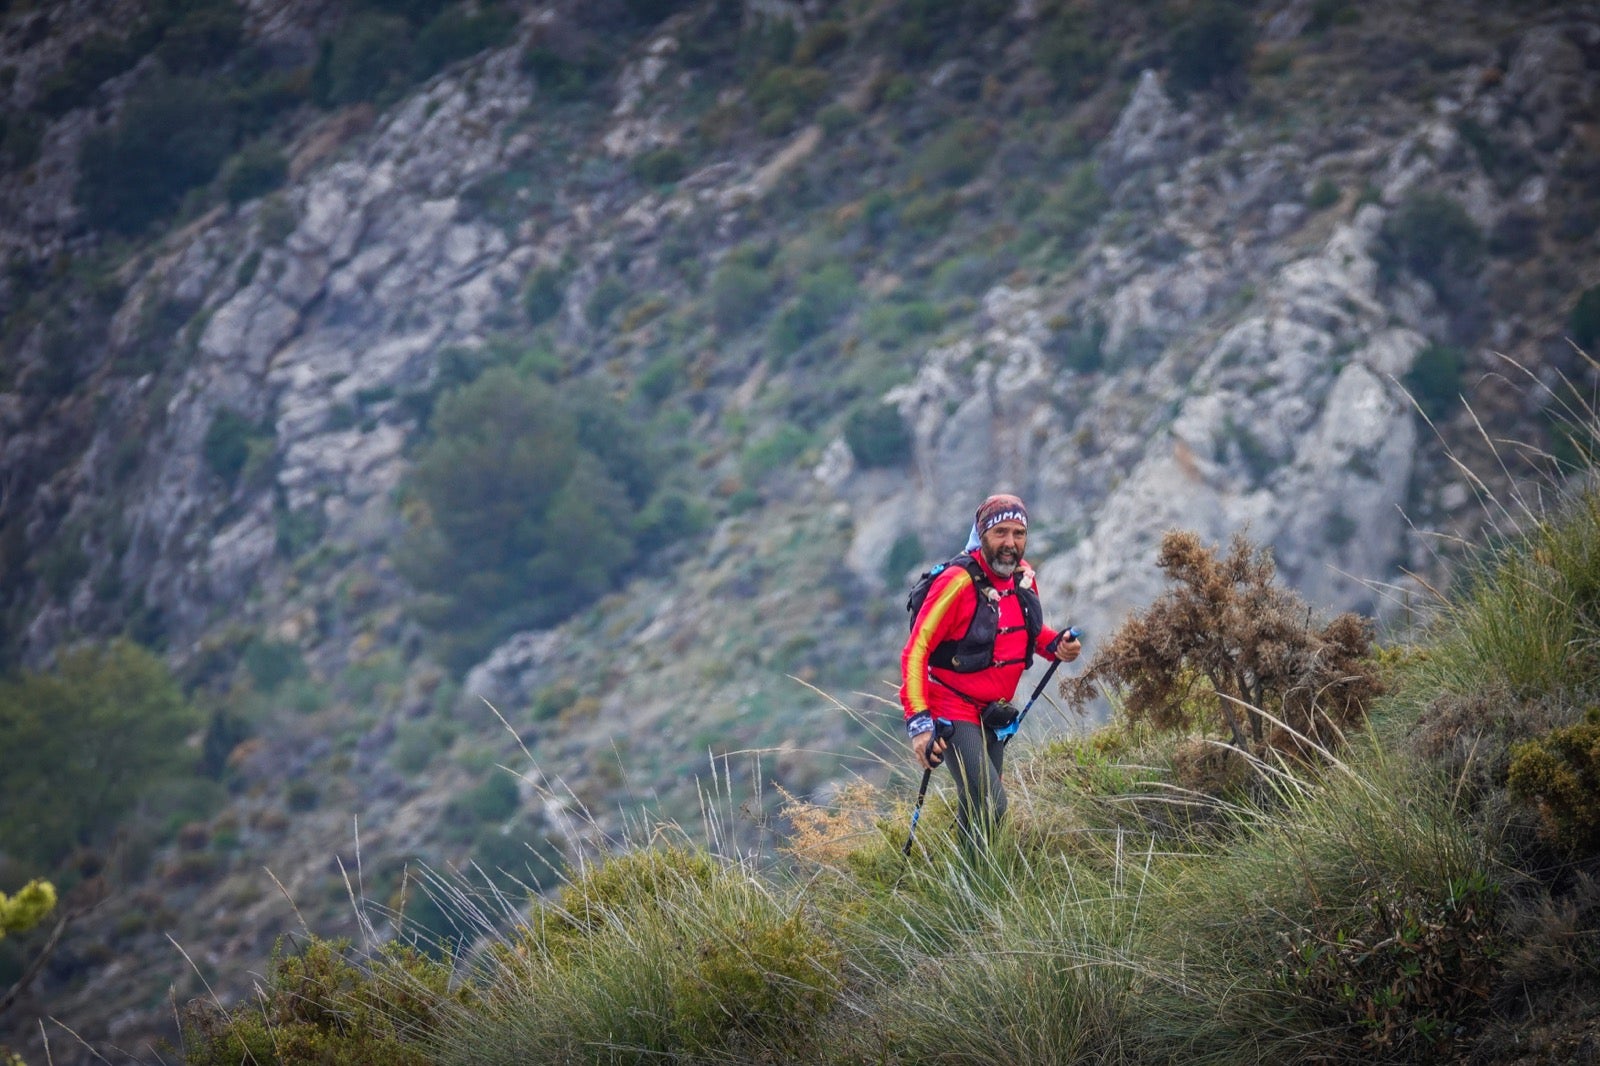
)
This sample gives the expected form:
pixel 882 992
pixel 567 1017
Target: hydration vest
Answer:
pixel 974 651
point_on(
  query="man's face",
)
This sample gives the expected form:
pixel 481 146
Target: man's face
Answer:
pixel 1002 545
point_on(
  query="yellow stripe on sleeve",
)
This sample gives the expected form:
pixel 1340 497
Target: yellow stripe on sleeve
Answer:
pixel 935 611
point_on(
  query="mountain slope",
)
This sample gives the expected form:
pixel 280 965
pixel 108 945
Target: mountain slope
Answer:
pixel 845 268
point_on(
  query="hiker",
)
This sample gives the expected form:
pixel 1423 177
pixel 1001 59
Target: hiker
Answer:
pixel 974 635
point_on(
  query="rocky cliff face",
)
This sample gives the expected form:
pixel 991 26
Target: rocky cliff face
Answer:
pixel 1218 343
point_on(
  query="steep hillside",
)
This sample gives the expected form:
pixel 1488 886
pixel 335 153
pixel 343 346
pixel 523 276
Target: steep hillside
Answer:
pixel 616 363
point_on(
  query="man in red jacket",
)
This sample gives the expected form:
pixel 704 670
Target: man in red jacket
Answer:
pixel 974 636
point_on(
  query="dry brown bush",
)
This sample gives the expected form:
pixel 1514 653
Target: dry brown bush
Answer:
pixel 829 835
pixel 1225 643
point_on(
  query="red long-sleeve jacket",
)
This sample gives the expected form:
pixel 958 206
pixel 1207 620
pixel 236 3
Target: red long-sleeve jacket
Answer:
pixel 945 615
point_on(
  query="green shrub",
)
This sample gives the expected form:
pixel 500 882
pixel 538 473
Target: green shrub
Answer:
pixel 1211 49
pixel 568 71
pixel 1324 194
pixel 206 35
pixel 257 102
pixel 1432 236
pixel 822 39
pixel 64 563
pixel 26 908
pixel 417 744
pixel 906 554
pixel 1515 235
pixel 894 325
pixel 926 28
pixel 1434 379
pixel 456 34
pixel 1067 48
pixel 1560 774
pixel 1326 14
pixel 270 663
pixel 85 746
pixel 643 880
pixel 877 435
pixel 1082 346
pixel 1076 205
pixel 225 731
pixel 927 216
pixel 226 446
pixel 1584 322
pixel 775 450
pixel 1393 976
pixel 370 58
pixel 773 979
pixel 509 462
pixel 320 1006
pixel 823 297
pixel 493 800
pixel 662 166
pixel 551 700
pixel 670 516
pixel 662 377
pixel 89 64
pixel 21 137
pixel 835 118
pixel 518 857
pixel 653 11
pixel 543 295
pixel 173 135
pixel 415 12
pixel 957 155
pixel 610 294
pixel 254 171
pixel 740 293
pixel 302 795
pixel 785 94
pixel 276 220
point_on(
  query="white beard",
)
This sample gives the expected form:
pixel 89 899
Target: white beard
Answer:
pixel 1001 569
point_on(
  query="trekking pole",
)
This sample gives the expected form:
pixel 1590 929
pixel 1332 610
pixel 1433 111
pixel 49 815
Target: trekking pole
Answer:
pixel 942 730
pixel 1010 731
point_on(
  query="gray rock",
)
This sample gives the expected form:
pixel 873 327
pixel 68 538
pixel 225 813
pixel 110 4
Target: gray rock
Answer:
pixel 1149 133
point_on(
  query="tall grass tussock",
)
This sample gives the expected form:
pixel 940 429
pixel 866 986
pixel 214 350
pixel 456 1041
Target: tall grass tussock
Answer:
pixel 1262 858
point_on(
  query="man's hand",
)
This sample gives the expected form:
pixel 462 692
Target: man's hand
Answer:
pixel 929 737
pixel 929 749
pixel 1065 647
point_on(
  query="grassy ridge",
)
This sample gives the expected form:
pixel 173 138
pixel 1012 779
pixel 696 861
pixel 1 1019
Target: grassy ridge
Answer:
pixel 1394 901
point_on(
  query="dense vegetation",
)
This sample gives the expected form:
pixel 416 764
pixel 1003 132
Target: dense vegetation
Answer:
pixel 211 105
pixel 1415 885
pixel 104 734
pixel 528 503
pixel 535 491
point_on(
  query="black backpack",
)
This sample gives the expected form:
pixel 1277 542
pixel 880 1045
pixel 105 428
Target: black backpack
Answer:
pixel 919 591
pixel 975 650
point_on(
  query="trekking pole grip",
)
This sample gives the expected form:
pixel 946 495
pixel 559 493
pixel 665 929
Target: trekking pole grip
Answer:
pixel 943 729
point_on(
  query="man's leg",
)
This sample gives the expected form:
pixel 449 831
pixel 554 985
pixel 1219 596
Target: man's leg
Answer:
pixel 975 758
